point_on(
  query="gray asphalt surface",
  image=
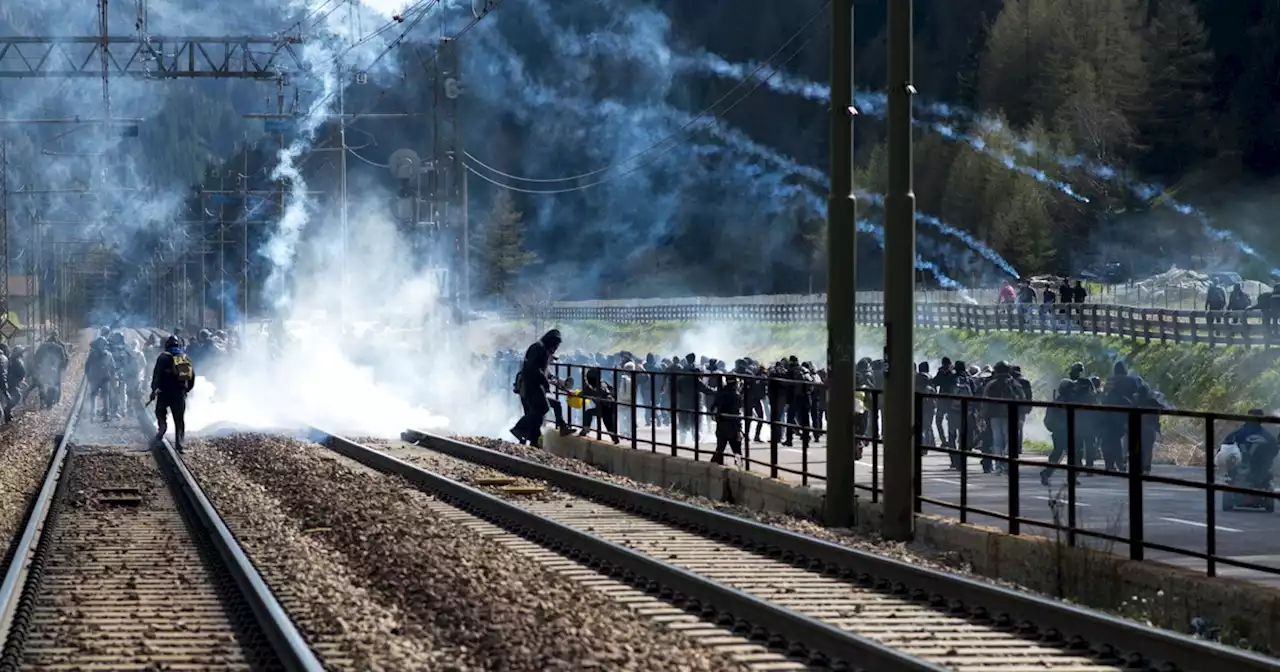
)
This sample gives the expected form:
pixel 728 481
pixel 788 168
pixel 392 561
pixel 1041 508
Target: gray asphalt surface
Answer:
pixel 1173 516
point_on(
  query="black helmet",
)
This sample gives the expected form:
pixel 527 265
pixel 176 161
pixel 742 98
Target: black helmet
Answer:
pixel 172 342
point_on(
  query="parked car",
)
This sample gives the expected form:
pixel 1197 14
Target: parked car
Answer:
pixel 1225 278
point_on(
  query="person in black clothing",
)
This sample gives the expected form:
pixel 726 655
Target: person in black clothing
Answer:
pixel 1015 447
pixel 171 380
pixel 533 384
pixel 1065 293
pixel 1122 390
pixel 946 410
pixel 1215 298
pixel 1080 292
pixel 752 396
pixel 51 361
pixel 727 406
pixel 924 385
pixel 796 397
pixel 818 401
pixel 1076 388
pixel 605 404
pixel 1003 387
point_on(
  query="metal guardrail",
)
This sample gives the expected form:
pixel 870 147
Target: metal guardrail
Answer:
pixel 667 411
pixel 1150 325
pixel 856 651
pixel 1153 646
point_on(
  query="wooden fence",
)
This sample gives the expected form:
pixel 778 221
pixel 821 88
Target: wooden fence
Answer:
pixel 1152 325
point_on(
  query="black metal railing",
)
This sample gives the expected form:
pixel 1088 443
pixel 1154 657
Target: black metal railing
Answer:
pixel 1161 459
pixel 1127 440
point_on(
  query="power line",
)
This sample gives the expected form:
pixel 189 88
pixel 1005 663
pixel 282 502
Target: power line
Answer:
pixel 649 160
pixel 489 7
pixel 681 134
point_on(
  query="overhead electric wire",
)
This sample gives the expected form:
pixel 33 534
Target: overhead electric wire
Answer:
pixel 680 135
pixel 490 6
pixel 650 159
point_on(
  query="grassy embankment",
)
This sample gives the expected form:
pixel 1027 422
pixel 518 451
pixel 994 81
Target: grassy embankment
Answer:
pixel 1193 377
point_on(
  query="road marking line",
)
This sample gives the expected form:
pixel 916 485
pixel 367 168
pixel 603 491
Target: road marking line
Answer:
pixel 944 480
pixel 1057 499
pixel 1194 523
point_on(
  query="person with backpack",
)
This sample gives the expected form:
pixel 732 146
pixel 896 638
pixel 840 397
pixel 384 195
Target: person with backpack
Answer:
pixel 172 378
pixel 1003 388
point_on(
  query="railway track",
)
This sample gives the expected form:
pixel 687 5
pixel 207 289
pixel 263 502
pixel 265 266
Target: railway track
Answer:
pixel 123 564
pixel 827 604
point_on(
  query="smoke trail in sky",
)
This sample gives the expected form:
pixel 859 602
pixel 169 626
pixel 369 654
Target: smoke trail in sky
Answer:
pixel 944 115
pixel 877 232
pixel 330 53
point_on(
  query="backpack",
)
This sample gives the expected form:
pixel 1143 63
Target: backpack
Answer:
pixel 182 368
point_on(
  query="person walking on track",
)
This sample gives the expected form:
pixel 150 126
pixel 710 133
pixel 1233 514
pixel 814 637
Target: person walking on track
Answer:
pixel 171 380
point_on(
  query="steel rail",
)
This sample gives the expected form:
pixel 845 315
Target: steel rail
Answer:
pixel 286 642
pixel 839 648
pixel 15 576
pixel 1174 651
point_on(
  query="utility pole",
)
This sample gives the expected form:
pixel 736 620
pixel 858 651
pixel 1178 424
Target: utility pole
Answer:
pixel 900 451
pixel 842 277
pixel 4 231
pixel 448 186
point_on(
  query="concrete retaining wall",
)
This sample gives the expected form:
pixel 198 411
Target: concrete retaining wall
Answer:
pixel 1165 595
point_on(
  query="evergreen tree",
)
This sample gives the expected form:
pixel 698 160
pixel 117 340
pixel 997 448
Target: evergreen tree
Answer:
pixel 1175 126
pixel 498 249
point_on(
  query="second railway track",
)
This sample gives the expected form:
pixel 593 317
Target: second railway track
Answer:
pixel 835 605
pixel 124 565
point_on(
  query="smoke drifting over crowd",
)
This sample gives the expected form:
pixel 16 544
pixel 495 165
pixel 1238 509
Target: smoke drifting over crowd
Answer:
pixel 585 110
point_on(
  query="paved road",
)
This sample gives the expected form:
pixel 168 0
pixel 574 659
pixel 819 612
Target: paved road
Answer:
pixel 1172 515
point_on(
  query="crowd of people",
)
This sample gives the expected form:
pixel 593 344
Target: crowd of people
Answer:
pixel 117 366
pixel 699 396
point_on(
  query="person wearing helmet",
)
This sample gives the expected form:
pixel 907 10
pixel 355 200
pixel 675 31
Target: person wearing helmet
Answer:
pixel 171 380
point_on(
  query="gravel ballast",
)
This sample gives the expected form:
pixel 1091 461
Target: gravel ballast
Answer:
pixel 26 444
pixel 480 605
pixel 347 626
pixel 844 537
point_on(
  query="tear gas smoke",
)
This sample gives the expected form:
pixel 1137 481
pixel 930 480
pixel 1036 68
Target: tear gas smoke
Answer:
pixel 942 119
pixel 369 353
pixel 397 362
